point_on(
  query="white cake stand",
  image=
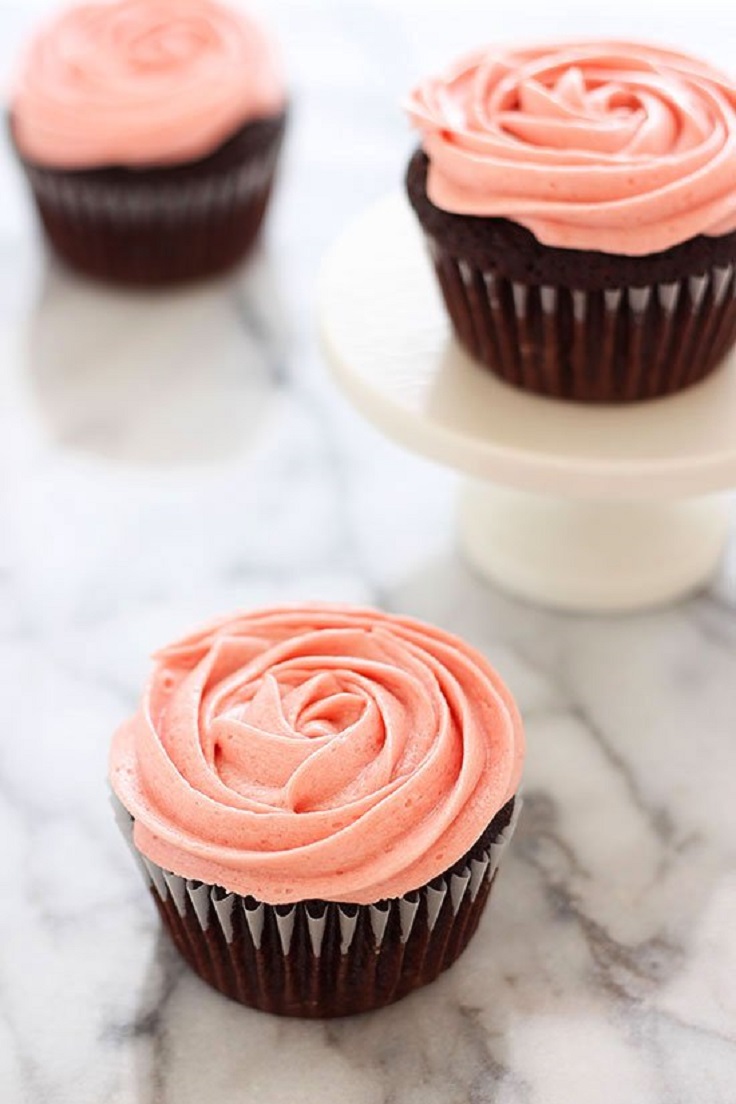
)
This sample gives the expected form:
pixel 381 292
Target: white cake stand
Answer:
pixel 576 507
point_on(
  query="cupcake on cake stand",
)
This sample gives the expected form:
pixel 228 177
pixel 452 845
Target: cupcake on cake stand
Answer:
pixel 591 508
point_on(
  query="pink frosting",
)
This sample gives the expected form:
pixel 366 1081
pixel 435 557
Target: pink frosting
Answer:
pixel 613 146
pixel 317 752
pixel 142 82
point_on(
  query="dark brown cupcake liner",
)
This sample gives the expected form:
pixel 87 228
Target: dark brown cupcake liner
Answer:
pixel 600 346
pixel 161 226
pixel 128 202
pixel 580 324
pixel 317 959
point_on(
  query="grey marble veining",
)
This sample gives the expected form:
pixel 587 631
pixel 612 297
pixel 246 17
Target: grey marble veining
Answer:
pixel 169 457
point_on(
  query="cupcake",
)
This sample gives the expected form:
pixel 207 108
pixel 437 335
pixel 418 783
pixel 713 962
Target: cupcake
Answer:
pixel 579 202
pixel 319 798
pixel 149 131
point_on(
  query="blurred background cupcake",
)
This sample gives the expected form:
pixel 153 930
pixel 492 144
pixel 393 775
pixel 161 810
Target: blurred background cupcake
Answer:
pixel 579 201
pixel 319 798
pixel 150 132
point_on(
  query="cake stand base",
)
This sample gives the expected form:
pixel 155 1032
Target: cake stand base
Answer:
pixel 591 556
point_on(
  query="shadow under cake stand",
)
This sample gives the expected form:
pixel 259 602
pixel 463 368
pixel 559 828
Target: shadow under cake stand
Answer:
pixel 577 507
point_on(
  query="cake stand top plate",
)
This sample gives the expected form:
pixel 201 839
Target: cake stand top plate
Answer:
pixel 388 341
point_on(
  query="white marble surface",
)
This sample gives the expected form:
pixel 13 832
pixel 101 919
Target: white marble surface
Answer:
pixel 165 458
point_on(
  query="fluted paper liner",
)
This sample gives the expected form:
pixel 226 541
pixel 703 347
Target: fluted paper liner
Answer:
pixel 122 203
pixel 321 959
pixel 152 230
pixel 610 345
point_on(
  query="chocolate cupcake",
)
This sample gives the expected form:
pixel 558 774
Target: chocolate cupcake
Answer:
pixel 150 132
pixel 579 202
pixel 319 798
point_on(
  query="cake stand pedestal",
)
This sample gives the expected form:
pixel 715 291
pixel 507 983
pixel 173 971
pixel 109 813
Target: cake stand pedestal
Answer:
pixel 576 507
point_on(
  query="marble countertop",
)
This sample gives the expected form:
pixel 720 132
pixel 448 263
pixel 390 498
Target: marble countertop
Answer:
pixel 164 458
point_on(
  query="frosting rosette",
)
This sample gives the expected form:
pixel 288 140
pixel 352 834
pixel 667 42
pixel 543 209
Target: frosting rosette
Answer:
pixel 612 146
pixel 141 83
pixel 317 753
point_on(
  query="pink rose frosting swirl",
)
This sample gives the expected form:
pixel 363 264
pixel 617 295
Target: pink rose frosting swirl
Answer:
pixel 317 752
pixel 611 146
pixel 142 82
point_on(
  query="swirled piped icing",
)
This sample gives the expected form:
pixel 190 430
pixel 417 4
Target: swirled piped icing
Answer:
pixel 141 83
pixel 317 752
pixel 611 146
